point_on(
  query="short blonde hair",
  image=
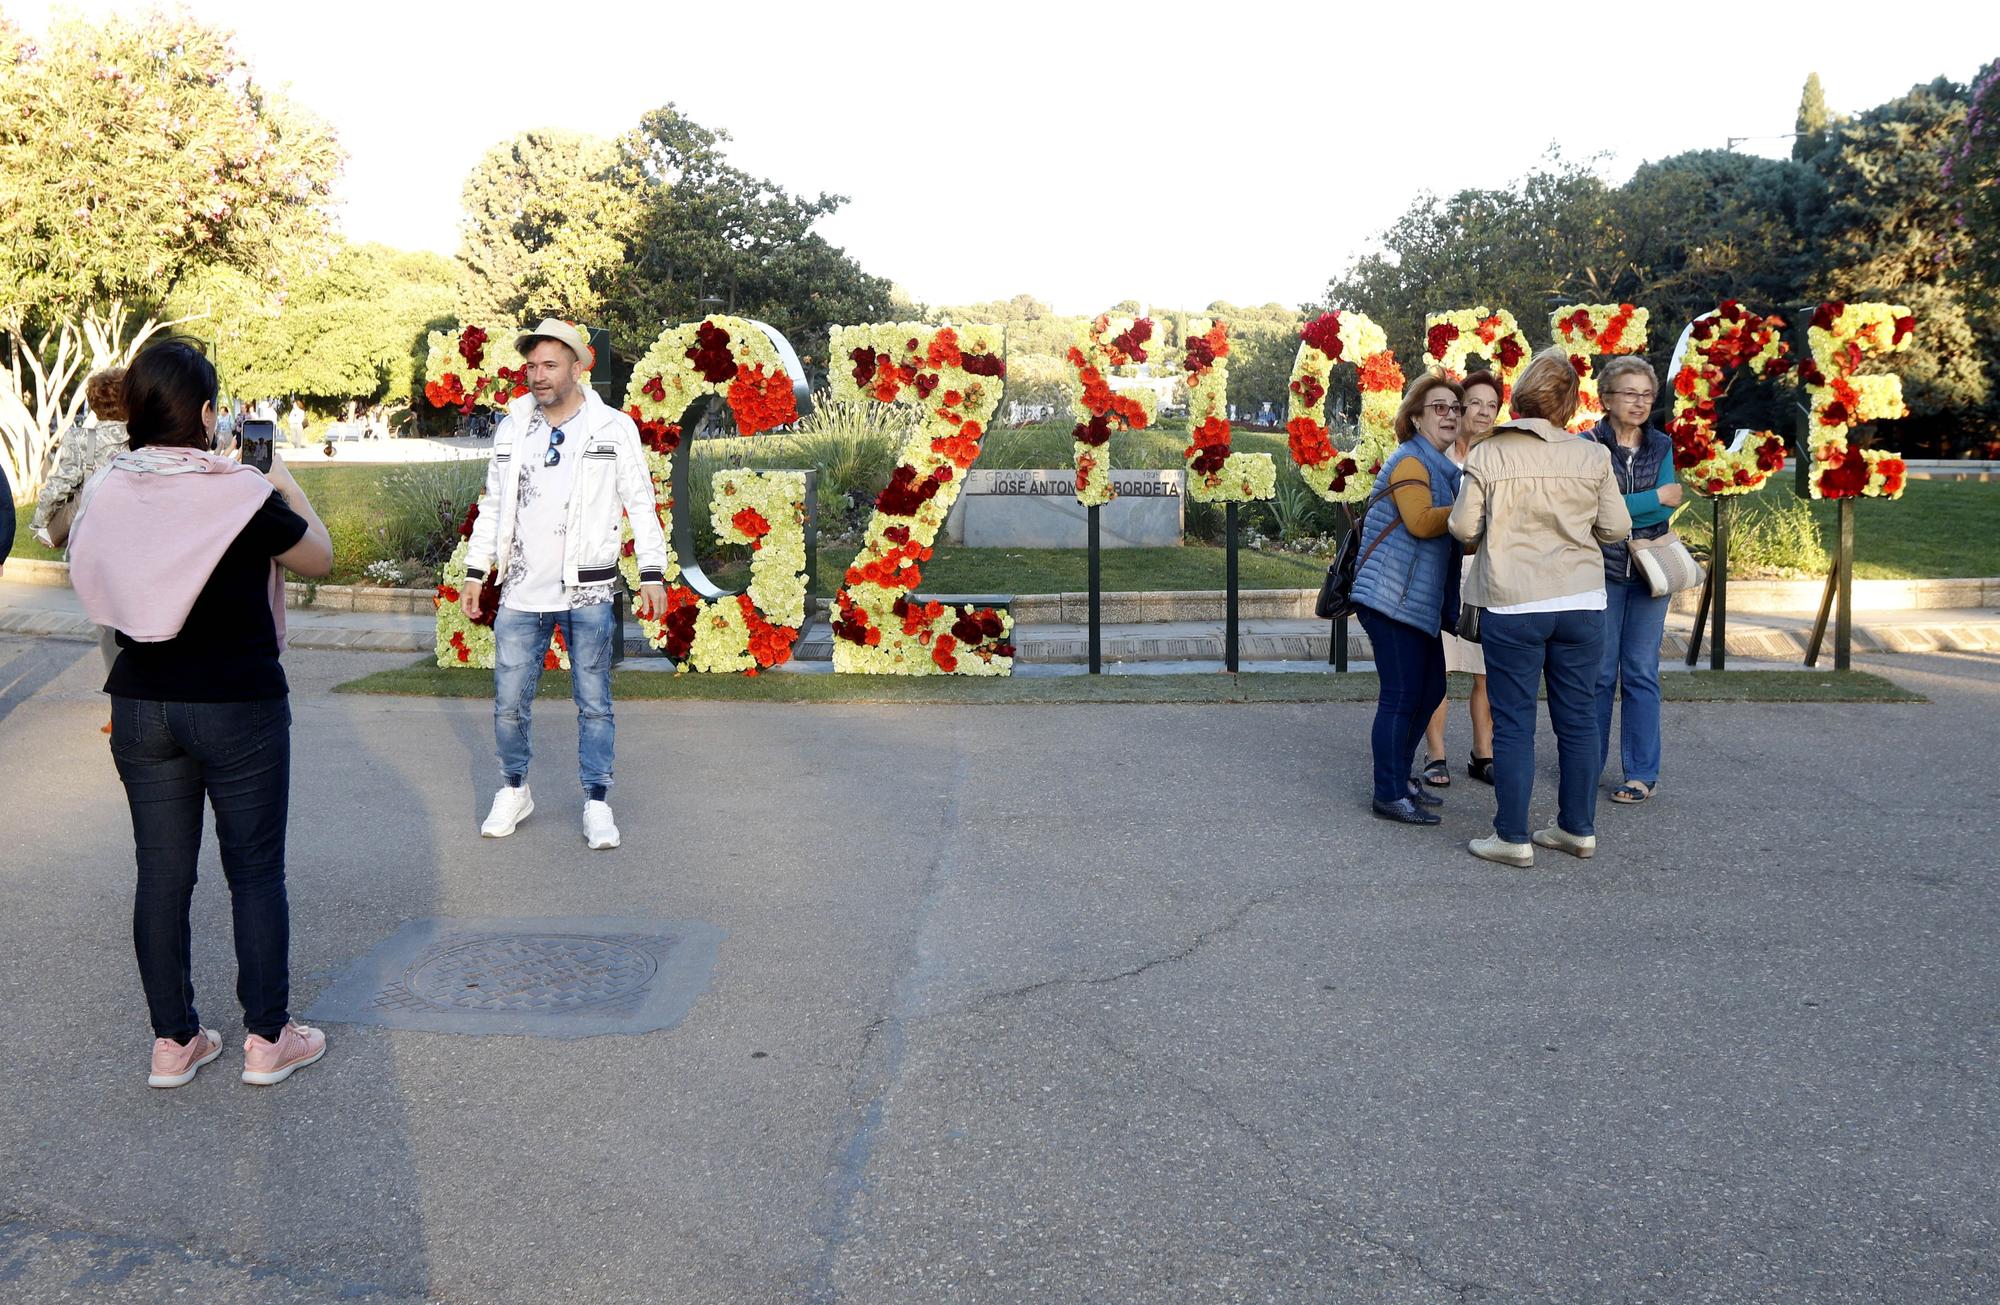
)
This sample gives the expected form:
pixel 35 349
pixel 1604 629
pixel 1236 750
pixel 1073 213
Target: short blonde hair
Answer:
pixel 1547 389
pixel 1413 399
pixel 105 393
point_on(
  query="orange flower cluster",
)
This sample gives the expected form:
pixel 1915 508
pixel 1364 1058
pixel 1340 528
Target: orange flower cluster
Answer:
pixel 1310 444
pixel 761 401
pixel 894 568
pixel 752 523
pixel 1380 371
pixel 770 645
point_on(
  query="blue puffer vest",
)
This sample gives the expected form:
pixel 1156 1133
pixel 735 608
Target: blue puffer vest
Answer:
pixel 1634 476
pixel 1409 579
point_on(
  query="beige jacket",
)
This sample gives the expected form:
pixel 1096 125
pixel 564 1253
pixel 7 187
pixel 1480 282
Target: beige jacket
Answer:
pixel 1536 502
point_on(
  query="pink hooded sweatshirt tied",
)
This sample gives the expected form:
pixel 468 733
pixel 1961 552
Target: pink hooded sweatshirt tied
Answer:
pixel 150 530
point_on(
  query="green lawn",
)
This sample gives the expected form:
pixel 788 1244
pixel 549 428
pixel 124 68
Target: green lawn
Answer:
pixel 425 679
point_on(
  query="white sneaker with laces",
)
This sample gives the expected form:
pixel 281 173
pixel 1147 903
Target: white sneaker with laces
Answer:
pixel 510 807
pixel 599 832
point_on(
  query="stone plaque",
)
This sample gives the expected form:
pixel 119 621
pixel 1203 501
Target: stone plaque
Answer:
pixel 1038 509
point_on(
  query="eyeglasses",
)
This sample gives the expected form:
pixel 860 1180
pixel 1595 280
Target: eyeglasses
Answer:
pixel 555 447
pixel 1647 395
pixel 1445 409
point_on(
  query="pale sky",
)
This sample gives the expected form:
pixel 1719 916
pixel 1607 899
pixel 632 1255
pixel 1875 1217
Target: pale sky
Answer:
pixel 1173 153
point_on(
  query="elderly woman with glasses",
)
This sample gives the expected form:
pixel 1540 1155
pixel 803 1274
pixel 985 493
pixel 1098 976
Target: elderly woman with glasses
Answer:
pixel 1642 458
pixel 1406 588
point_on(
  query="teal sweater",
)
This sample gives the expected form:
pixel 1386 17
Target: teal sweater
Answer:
pixel 1645 506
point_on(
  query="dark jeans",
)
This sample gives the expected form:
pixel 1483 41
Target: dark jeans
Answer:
pixel 1634 621
pixel 1564 648
pixel 1410 664
pixel 238 754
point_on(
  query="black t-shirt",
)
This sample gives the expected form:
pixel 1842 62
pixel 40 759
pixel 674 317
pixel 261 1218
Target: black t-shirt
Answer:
pixel 228 649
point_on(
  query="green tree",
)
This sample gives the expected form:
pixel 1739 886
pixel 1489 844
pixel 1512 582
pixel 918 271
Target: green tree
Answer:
pixel 353 328
pixel 1890 230
pixel 547 225
pixel 1972 171
pixel 710 235
pixel 1812 121
pixel 133 152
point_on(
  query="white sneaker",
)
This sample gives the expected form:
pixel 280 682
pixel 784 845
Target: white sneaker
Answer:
pixel 1581 846
pixel 510 807
pixel 598 830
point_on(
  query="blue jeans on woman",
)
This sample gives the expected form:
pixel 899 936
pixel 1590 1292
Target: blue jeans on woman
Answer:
pixel 239 755
pixel 1521 652
pixel 1410 665
pixel 1634 621
pixel 521 641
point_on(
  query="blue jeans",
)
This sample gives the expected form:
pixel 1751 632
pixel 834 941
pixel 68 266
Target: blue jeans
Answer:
pixel 1521 651
pixel 521 640
pixel 239 755
pixel 1634 621
pixel 1410 665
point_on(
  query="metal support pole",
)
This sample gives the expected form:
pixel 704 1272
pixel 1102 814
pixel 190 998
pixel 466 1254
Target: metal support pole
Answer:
pixel 1700 618
pixel 1336 644
pixel 1096 599
pixel 1843 617
pixel 1229 573
pixel 1718 647
pixel 1818 638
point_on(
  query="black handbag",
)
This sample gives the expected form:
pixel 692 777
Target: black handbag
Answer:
pixel 1336 592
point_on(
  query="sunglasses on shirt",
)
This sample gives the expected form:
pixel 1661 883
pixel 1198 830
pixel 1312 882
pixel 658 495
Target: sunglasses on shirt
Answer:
pixel 555 447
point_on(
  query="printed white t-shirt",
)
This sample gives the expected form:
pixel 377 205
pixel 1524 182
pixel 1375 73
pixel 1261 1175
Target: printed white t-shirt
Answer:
pixel 534 575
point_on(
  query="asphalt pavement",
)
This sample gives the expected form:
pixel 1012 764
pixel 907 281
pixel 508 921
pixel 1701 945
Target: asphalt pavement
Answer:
pixel 1073 1004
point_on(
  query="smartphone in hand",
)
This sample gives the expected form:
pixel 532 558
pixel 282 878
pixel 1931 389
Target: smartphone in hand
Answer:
pixel 256 439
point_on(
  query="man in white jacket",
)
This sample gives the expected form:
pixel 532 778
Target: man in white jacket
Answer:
pixel 566 469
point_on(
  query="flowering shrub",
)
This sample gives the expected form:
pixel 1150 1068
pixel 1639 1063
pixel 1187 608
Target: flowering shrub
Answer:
pixel 1718 343
pixel 1216 475
pixel 1450 338
pixel 1841 336
pixel 1343 475
pixel 954 376
pixel 1103 344
pixel 1584 330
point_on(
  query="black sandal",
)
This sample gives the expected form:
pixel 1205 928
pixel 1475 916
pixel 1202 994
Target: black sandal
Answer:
pixel 1481 769
pixel 1438 775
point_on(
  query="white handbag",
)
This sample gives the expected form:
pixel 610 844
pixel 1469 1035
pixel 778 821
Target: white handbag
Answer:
pixel 1666 564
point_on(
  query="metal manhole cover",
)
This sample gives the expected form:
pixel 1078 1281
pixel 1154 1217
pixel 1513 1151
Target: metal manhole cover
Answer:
pixel 530 972
pixel 552 978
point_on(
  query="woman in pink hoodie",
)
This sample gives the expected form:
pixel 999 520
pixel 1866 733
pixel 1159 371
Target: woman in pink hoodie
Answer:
pixel 180 552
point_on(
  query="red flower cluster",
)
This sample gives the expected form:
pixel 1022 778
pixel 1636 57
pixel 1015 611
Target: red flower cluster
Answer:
pixel 1439 338
pixel 1844 477
pixel 762 401
pixel 683 609
pixel 471 515
pixel 1510 351
pixel 659 436
pixel 1128 346
pixel 983 364
pixel 710 354
pixel 852 623
pixel 906 491
pixel 1309 390
pixel 450 392
pixel 1310 444
pixel 1323 334
pixel 472 346
pixel 865 362
pixel 1209 449
pixel 516 379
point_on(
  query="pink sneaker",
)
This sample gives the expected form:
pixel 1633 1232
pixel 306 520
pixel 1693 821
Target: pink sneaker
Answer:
pixel 266 1062
pixel 174 1064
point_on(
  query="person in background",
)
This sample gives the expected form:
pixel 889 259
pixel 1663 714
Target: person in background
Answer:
pixel 1482 408
pixel 86 450
pixel 1537 502
pixel 1642 458
pixel 296 423
pixel 1406 588
pixel 183 553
